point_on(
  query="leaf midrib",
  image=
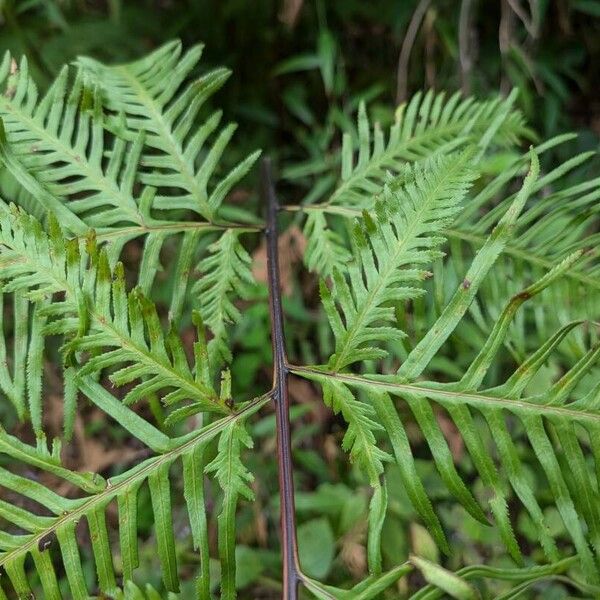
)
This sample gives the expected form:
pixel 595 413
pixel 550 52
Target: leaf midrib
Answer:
pixel 420 390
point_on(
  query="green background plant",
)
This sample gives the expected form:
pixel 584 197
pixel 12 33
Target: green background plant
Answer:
pixel 314 74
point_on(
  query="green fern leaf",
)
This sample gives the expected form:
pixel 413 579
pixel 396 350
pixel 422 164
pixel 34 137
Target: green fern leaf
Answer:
pixel 97 314
pixel 224 272
pixel 359 439
pixel 233 477
pixel 402 236
pixel 325 251
pixel 460 399
pixel 116 155
pixel 149 93
pixel 427 126
pixel 54 148
pixel 60 151
pixel 154 472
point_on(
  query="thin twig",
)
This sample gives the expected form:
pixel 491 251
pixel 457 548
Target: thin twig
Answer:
pixel 407 45
pixel 465 46
pixel 430 36
pixel 291 570
pixel 505 32
pixel 520 12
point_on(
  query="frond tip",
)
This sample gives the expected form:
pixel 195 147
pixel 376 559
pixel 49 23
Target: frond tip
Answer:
pixel 429 125
pixel 153 96
pixel 391 250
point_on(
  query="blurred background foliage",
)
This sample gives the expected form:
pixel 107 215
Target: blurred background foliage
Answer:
pixel 302 67
pixel 379 50
pixel 300 70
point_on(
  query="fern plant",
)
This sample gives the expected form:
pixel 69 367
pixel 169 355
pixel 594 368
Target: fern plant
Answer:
pixel 421 249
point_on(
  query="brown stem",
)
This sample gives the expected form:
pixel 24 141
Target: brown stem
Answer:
pixel 289 545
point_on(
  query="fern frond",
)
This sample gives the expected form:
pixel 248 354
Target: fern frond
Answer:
pixel 61 151
pixel 402 235
pixel 113 154
pixel 40 533
pixel 152 95
pixel 160 364
pixel 233 477
pixel 154 98
pixel 551 409
pixel 533 411
pixel 325 251
pixel 362 446
pixel 359 439
pixel 537 244
pixel 224 272
pixel 560 455
pixel 55 148
pixel 97 314
pixel 429 125
pixel 425 350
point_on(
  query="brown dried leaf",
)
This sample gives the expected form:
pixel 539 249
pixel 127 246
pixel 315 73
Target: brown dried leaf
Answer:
pixel 303 392
pixel 353 552
pixel 452 435
pixel 292 245
pixel 290 11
